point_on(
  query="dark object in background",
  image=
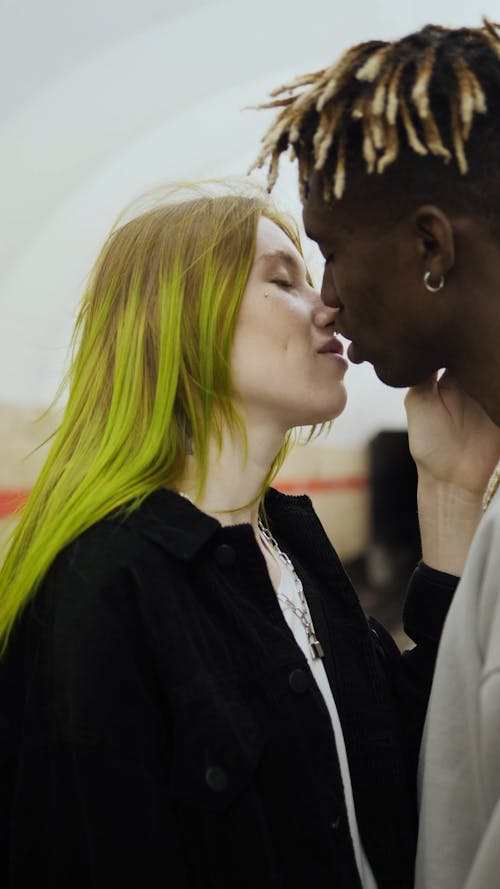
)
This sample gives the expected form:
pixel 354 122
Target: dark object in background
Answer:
pixel 395 542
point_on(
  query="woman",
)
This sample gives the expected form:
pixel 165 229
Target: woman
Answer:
pixel 193 697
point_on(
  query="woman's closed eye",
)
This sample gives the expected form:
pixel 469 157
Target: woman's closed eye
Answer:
pixel 282 282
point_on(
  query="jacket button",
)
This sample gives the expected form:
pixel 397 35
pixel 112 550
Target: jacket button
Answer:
pixel 298 681
pixel 225 555
pixel 335 824
pixel 216 779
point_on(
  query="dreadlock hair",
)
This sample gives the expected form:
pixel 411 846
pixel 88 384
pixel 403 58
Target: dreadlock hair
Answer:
pixel 434 94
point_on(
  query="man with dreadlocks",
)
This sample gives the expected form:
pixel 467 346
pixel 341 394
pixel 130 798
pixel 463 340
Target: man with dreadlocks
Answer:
pixel 398 147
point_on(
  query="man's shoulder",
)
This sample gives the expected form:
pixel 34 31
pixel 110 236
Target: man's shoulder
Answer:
pixel 486 543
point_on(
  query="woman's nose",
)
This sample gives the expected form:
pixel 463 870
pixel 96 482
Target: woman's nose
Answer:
pixel 324 316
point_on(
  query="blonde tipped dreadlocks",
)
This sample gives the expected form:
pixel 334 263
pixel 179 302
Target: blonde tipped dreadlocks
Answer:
pixel 380 96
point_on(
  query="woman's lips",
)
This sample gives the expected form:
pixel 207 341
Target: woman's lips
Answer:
pixel 333 346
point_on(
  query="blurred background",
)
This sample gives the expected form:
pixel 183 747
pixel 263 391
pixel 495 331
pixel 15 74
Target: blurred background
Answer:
pixel 103 100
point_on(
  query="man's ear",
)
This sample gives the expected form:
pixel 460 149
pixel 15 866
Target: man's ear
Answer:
pixel 435 240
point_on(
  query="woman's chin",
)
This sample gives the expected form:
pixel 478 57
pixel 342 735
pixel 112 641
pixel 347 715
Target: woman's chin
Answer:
pixel 338 408
pixel 325 416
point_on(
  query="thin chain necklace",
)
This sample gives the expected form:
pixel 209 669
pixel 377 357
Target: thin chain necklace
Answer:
pixel 301 612
pixel 492 486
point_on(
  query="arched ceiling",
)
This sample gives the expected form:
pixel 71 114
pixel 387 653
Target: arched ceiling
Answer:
pixel 103 100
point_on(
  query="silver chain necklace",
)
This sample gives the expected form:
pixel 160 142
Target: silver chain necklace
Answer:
pixel 302 613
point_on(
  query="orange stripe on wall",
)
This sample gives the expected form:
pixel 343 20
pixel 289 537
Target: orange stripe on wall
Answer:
pixel 12 499
pixel 320 485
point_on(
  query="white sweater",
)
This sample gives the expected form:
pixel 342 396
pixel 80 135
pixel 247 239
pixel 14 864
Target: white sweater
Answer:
pixel 459 842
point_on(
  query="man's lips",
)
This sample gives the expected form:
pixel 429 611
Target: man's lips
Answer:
pixel 341 332
pixel 352 351
pixel 354 355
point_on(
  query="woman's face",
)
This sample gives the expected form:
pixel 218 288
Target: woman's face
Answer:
pixel 287 366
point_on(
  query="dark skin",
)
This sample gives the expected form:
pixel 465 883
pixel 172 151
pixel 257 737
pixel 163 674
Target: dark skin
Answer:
pixel 376 258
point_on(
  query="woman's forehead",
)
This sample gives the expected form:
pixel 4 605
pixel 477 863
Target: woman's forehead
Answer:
pixel 272 241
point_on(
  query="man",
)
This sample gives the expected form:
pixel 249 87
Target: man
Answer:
pixel 398 147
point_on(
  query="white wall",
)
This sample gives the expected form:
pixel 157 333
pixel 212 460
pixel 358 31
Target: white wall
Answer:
pixel 102 100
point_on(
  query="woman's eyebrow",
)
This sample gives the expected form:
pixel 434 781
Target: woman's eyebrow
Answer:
pixel 286 257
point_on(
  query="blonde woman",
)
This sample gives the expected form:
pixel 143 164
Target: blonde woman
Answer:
pixel 191 695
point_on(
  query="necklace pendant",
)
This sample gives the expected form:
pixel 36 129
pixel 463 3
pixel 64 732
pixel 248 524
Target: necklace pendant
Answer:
pixel 316 648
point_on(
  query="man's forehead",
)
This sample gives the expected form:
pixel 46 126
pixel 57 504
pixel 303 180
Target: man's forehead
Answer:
pixel 366 207
pixel 322 218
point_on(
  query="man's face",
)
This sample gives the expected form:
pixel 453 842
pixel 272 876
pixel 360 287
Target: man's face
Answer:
pixel 374 275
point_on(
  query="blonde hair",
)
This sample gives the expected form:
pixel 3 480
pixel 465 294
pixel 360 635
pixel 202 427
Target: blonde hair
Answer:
pixel 150 370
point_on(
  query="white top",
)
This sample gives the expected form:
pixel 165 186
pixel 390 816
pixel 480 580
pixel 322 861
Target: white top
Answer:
pixel 289 589
pixel 459 842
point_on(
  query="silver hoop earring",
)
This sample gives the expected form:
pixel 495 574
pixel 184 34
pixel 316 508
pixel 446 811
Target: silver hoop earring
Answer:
pixel 433 288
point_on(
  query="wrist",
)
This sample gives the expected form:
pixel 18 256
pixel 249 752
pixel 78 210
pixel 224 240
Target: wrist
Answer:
pixel 448 518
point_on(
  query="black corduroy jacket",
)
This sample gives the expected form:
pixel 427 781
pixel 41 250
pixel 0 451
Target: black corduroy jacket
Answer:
pixel 160 727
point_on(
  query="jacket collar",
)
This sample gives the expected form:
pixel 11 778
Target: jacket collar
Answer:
pixel 173 523
pixel 176 525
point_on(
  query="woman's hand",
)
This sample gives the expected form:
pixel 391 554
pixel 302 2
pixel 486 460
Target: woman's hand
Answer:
pixel 456 447
pixel 452 439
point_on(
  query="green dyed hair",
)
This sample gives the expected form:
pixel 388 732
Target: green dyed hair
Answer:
pixel 150 372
